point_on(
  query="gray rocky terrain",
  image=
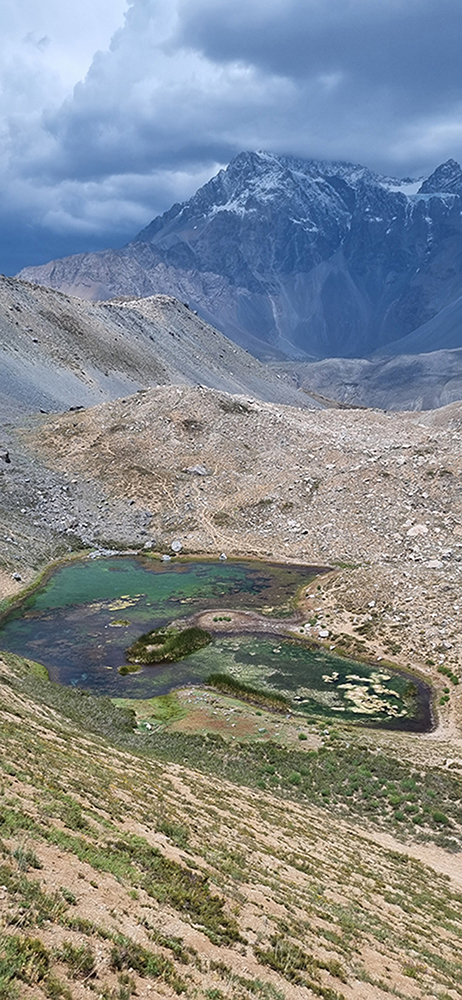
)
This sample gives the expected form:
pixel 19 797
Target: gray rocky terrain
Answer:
pixel 402 382
pixel 59 352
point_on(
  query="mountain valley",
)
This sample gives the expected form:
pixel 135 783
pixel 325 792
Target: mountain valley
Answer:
pixel 146 849
pixel 209 842
pixel 59 351
pixel 402 382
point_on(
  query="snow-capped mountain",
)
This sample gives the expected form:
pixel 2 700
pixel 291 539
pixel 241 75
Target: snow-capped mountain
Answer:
pixel 294 257
pixel 446 179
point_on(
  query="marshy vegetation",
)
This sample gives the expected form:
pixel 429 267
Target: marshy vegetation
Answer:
pixel 181 828
pixel 167 645
pixel 246 692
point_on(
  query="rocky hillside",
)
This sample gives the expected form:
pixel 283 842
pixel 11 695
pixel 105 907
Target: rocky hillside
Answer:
pixel 59 352
pixel 207 854
pixel 299 258
pixel 377 494
pixel 402 382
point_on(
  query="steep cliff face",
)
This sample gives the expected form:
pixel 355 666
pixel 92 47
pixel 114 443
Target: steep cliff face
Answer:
pixel 295 257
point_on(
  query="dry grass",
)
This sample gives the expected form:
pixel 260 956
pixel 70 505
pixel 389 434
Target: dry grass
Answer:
pixel 258 895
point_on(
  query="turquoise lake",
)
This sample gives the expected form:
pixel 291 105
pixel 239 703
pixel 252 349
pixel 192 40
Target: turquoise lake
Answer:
pixel 81 621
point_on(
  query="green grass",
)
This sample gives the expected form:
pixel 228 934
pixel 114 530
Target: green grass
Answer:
pixel 80 960
pixel 298 967
pixel 162 709
pixel 132 861
pixel 332 909
pixel 21 958
pixel 126 954
pixel 230 685
pixel 347 778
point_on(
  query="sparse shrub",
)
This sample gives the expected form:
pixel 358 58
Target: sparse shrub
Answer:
pixel 127 954
pixel 174 831
pixel 448 673
pixel 298 967
pixel 79 959
pixel 185 890
pixel 22 958
pixel 233 406
pixel 71 814
pixel 295 778
pixel 441 818
pixel 68 895
pixel 26 859
pixel 54 989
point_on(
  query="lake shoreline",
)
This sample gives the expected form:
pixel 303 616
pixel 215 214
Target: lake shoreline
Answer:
pixel 282 600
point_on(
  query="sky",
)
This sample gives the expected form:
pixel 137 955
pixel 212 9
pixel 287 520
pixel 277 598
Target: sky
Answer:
pixel 112 110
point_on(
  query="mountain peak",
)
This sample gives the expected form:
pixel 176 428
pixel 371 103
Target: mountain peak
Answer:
pixel 291 256
pixel 446 178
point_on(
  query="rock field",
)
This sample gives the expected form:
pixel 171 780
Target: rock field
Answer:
pixel 376 496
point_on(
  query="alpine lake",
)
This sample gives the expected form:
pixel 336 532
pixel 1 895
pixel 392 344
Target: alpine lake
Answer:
pixel 81 620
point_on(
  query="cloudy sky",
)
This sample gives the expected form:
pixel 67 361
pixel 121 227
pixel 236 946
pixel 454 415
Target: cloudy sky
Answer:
pixel 111 110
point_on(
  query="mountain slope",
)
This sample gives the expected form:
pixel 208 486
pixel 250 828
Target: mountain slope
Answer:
pixel 403 382
pixel 294 257
pixel 149 863
pixel 443 330
pixel 59 352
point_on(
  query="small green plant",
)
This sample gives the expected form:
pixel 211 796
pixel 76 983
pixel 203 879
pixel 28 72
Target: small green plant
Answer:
pixel 295 778
pixel 56 990
pixel 22 958
pixel 127 954
pixel 79 959
pixel 299 967
pixel 176 832
pixel 441 818
pixel 448 673
pixel 68 895
pixel 26 859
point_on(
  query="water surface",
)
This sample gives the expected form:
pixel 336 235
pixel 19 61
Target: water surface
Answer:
pixel 81 621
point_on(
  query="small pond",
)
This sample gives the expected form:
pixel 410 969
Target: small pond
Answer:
pixel 81 621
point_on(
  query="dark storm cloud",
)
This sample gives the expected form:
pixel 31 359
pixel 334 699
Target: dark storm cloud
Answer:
pixel 185 84
pixel 410 47
pixel 193 82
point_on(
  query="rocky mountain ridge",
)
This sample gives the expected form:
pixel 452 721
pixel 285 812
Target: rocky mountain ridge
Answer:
pixel 60 352
pixel 296 258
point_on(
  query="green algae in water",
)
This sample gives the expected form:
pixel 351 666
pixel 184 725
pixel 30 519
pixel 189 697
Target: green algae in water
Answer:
pixel 82 619
pixel 315 681
pixel 68 625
